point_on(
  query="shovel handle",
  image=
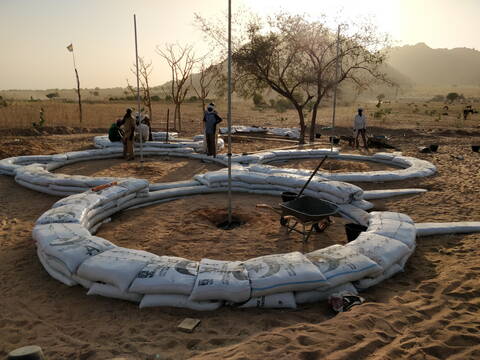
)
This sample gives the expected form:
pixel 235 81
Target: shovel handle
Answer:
pixel 311 177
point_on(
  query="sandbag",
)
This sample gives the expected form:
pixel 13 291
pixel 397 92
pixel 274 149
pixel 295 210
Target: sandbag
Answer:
pixel 53 273
pixel 398 230
pixel 273 301
pixel 87 200
pixel 75 250
pixel 427 229
pixel 179 301
pixel 75 214
pixel 166 275
pixel 111 291
pixel 44 234
pixel 383 250
pixel 305 297
pixel 87 284
pixel 118 266
pixel 340 264
pixel 283 273
pixel 384 215
pixel 364 284
pixel 221 280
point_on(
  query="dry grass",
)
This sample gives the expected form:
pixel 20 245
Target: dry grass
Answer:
pixel 21 114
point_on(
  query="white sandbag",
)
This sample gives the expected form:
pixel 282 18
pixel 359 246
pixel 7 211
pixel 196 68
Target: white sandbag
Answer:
pixel 68 189
pixel 340 264
pixel 75 214
pixel 134 185
pixel 382 194
pixel 364 284
pixel 40 188
pixel 384 156
pixel 111 291
pixel 53 273
pixel 118 266
pixel 179 301
pixel 44 234
pixel 166 275
pixel 171 185
pixel 306 297
pixel 87 284
pixel 57 265
pixel 283 273
pixel 383 250
pixel 381 215
pixel 76 250
pixel 354 214
pixel 273 301
pixel 427 229
pixel 398 230
pixel 87 200
pixel 221 280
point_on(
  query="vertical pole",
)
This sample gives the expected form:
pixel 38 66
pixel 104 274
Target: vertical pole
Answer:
pixel 229 112
pixel 138 87
pixel 168 120
pixel 335 88
pixel 78 87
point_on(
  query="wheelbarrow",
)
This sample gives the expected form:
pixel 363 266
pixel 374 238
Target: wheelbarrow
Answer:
pixel 304 215
pixel 305 211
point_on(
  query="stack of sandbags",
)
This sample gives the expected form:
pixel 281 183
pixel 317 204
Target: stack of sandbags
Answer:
pixel 249 180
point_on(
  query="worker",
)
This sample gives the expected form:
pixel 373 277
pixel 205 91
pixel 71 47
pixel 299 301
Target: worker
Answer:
pixel 211 119
pixel 146 121
pixel 129 133
pixel 115 133
pixel 360 128
pixel 142 131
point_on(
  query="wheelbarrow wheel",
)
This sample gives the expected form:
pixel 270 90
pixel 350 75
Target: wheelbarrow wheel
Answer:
pixel 283 221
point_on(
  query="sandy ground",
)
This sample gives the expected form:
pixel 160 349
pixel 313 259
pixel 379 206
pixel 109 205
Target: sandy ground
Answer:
pixel 431 311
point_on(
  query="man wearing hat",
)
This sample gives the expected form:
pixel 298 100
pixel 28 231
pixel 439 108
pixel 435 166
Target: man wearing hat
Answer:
pixel 129 133
pixel 211 119
pixel 360 128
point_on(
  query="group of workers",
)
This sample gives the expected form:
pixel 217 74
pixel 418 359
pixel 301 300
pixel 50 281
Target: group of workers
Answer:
pixel 127 130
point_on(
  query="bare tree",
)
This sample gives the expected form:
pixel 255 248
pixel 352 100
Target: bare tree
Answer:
pixel 144 71
pixel 208 77
pixel 181 61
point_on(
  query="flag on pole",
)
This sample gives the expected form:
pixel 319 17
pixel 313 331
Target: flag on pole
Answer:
pixel 70 47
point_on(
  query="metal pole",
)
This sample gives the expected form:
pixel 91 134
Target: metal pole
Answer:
pixel 229 112
pixel 138 87
pixel 335 89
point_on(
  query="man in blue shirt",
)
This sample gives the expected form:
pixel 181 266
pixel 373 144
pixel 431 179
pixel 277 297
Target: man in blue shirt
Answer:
pixel 211 119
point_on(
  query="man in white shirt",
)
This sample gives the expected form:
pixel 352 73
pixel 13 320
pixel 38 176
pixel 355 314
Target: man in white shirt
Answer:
pixel 360 127
pixel 142 130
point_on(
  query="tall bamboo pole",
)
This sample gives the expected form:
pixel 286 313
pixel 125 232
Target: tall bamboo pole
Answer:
pixel 78 85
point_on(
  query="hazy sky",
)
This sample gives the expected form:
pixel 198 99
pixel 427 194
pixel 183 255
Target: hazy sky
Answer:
pixel 35 33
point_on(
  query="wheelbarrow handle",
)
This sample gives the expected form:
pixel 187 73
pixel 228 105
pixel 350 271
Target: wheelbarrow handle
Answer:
pixel 311 177
pixel 265 206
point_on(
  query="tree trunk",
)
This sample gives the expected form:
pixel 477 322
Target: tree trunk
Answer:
pixel 301 119
pixel 313 122
pixel 179 117
pixel 175 118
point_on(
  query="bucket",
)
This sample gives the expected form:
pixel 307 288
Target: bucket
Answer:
pixel 288 196
pixel 353 230
pixel 475 148
pixel 434 147
pixel 336 140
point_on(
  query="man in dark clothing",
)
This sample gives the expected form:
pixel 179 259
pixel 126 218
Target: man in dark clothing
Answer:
pixel 115 133
pixel 211 119
pixel 129 133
